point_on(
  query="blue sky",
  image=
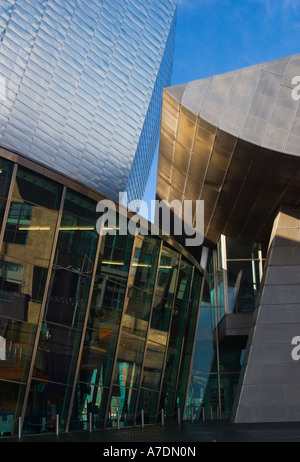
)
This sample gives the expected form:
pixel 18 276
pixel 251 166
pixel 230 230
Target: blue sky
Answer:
pixel 216 36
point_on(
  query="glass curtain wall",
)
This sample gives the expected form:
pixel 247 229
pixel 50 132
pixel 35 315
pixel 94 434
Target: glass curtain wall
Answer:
pixel 103 326
pixel 64 314
pixel 231 286
pixel 26 249
pixel 93 329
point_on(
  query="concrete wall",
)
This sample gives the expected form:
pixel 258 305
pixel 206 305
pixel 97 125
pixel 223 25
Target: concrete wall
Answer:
pixel 269 389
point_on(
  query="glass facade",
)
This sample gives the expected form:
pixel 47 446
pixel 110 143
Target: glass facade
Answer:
pixel 92 326
pixel 230 286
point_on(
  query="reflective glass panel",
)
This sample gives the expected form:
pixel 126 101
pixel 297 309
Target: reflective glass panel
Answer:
pixel 153 365
pixel 6 169
pixel 46 400
pixel 56 355
pixel 115 256
pixel 16 345
pixel 137 306
pixel 177 329
pixel 21 289
pixel 148 403
pixel 32 219
pixel 129 362
pixel 68 296
pixel 144 264
pixel 77 240
pixel 90 403
pixel 11 400
pixel 105 310
pixel 189 336
pixel 98 356
pixel 123 401
pixel 164 294
pixel 243 284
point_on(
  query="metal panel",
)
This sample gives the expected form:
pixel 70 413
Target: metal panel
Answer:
pixel 71 70
pixel 243 168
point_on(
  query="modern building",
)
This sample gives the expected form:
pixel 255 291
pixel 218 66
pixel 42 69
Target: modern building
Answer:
pixel 101 328
pixel 90 324
pixel 82 86
pixel 233 141
pixel 95 327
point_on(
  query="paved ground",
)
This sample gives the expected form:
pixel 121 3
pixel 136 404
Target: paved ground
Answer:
pixel 174 434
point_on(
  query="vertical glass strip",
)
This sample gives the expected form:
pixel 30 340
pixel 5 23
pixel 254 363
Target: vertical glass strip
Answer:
pixel 64 314
pixel 135 320
pixel 168 392
pixel 25 257
pixel 103 325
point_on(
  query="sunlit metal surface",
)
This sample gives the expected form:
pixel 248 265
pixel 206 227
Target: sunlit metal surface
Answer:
pixel 83 85
pixel 233 140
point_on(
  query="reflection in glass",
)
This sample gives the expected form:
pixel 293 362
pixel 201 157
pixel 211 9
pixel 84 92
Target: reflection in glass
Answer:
pixel 189 336
pixel 182 298
pixel 130 357
pixel 16 345
pixel 32 218
pixel 46 400
pixel 68 296
pixel 123 403
pixel 137 308
pixel 148 403
pixel 144 264
pixel 153 365
pixel 164 294
pixel 243 284
pixel 77 240
pixel 56 353
pixel 89 405
pixel 11 399
pixel 6 170
pixel 115 256
pixel 104 316
pixel 21 289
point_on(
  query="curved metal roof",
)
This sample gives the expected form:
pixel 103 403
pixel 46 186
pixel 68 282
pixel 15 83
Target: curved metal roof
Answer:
pixel 233 140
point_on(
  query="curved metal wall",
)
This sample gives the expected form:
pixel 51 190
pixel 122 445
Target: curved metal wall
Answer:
pixel 79 78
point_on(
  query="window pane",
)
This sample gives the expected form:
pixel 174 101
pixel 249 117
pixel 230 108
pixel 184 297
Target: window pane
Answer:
pixel 6 169
pixel 144 265
pixel 164 293
pixel 130 358
pixel 89 399
pixel 68 296
pixel 16 345
pixel 11 399
pixel 115 256
pixel 98 356
pixel 124 400
pixel 148 403
pixel 21 289
pixel 45 401
pixel 32 218
pixel 56 353
pixel 153 365
pixel 37 189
